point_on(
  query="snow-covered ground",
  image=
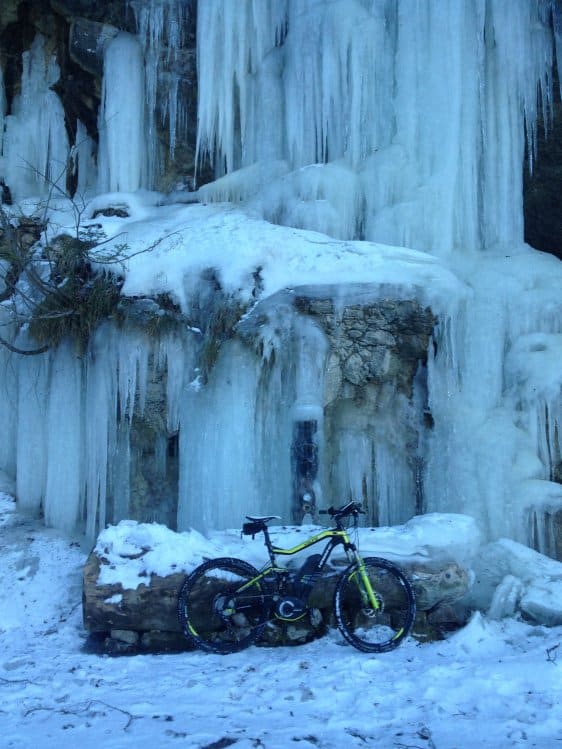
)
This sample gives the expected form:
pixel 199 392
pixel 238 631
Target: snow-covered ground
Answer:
pixel 493 684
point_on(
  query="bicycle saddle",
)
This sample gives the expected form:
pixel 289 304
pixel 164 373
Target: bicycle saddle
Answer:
pixel 262 519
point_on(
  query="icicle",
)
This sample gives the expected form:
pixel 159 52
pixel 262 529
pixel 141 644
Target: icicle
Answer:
pixel 122 149
pixel 64 429
pixel 100 418
pixel 238 36
pixel 179 364
pixel 161 25
pixel 217 429
pixel 419 100
pixel 35 145
pixel 518 59
pixel 119 479
pixel 2 109
pixel 557 22
pixel 395 484
pixel 31 465
pixel 310 351
pixel 132 367
pixel 8 394
pixel 83 153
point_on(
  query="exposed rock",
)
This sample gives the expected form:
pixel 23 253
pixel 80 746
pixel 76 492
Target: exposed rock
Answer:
pixel 144 609
pixel 542 203
pixel 76 34
pixel 88 40
pixel 375 342
pixel 115 12
pixel 8 12
pixel 438 584
pixel 146 617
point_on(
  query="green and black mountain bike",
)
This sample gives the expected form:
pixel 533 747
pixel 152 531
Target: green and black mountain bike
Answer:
pixel 224 604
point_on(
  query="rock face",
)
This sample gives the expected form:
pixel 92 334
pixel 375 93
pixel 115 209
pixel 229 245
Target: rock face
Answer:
pixel 374 343
pixel 542 202
pixel 372 394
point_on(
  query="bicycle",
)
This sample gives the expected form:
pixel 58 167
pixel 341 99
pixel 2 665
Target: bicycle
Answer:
pixel 225 604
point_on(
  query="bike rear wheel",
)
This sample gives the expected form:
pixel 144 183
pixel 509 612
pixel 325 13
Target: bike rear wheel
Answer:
pixel 374 628
pixel 222 608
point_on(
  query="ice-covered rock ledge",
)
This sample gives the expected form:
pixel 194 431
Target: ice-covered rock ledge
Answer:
pixel 133 575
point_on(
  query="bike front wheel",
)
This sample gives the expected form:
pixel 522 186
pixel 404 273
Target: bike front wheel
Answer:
pixel 223 606
pixel 379 622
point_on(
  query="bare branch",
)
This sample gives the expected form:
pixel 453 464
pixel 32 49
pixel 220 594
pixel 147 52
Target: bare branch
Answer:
pixel 85 709
pixel 25 352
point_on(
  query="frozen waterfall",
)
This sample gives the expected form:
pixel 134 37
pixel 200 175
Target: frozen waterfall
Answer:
pixel 319 358
pixel 414 115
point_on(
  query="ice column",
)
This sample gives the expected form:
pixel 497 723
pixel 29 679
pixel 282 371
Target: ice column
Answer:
pixel 31 442
pixel 83 153
pixel 35 141
pixel 8 397
pixel 122 155
pixel 311 350
pixel 218 480
pixel 63 437
pixel 233 41
pixel 161 25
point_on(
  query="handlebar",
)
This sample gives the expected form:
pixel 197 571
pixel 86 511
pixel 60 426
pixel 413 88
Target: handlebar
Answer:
pixel 351 508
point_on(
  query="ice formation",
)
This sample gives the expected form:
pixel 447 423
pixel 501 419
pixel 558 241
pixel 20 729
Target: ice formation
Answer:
pixel 421 109
pixel 2 108
pixel 161 25
pixel 122 156
pixel 35 144
pixel 348 123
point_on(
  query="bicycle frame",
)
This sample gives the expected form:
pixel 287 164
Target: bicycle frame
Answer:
pixel 225 604
pixel 336 537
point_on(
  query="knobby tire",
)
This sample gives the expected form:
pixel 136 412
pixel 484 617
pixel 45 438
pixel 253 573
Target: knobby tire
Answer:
pixel 215 614
pixel 383 627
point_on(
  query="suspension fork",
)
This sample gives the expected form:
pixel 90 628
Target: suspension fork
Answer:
pixel 364 586
pixel 367 587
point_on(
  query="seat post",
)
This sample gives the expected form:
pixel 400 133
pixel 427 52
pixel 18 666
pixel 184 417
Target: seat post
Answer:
pixel 267 540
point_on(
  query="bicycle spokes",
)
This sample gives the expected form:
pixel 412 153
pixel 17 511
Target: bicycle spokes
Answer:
pixel 374 605
pixel 223 606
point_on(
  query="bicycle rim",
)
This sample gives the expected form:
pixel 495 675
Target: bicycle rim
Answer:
pixel 380 625
pixel 221 608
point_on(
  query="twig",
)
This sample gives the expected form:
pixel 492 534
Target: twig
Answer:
pixel 17 681
pixel 551 653
pixel 79 711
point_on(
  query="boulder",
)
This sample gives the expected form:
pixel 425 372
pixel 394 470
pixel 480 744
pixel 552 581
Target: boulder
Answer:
pixel 88 40
pixel 146 608
pixel 145 617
